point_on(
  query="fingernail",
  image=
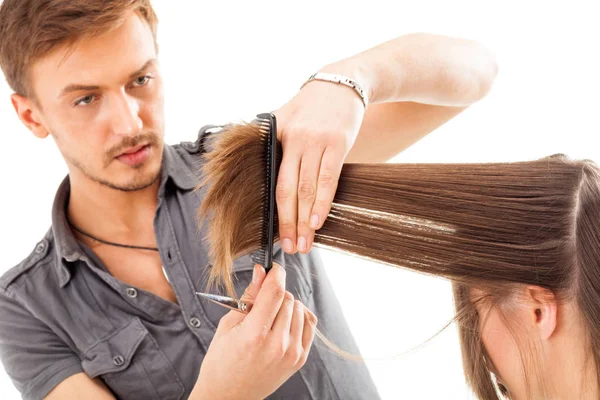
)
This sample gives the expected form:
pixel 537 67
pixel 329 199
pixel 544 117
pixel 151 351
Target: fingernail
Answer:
pixel 255 274
pixel 287 245
pixel 314 221
pixel 301 244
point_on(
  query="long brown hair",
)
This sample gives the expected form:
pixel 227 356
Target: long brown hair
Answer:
pixel 481 225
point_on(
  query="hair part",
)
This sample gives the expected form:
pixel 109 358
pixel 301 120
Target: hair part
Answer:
pixel 31 29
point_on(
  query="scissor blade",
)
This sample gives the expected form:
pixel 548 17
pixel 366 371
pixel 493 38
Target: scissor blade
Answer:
pixel 224 301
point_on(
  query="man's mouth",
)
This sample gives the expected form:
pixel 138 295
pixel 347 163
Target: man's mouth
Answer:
pixel 133 150
pixel 135 156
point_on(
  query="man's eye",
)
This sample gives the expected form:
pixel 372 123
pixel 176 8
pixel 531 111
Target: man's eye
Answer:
pixel 142 80
pixel 84 100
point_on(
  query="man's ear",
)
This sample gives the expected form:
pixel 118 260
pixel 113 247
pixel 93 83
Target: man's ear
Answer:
pixel 543 309
pixel 29 114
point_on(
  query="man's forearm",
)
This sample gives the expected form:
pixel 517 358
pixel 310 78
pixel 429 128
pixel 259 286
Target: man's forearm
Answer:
pixel 197 393
pixel 424 68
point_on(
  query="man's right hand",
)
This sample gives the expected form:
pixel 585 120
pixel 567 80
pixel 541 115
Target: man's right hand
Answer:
pixel 252 355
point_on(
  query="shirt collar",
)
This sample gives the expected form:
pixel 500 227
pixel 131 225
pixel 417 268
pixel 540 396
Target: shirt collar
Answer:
pixel 67 248
pixel 176 169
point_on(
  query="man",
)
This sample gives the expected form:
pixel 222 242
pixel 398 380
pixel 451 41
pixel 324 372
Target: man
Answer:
pixel 105 304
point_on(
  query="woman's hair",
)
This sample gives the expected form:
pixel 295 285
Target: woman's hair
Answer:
pixel 491 226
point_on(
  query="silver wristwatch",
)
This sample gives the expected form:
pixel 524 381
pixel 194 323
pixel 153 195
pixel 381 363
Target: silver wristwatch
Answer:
pixel 344 80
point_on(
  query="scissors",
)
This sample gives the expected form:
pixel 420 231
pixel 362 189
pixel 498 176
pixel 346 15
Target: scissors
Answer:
pixel 242 306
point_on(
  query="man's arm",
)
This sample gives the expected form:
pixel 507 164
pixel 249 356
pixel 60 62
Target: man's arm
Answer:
pixel 390 128
pixel 415 84
pixel 35 358
pixel 80 386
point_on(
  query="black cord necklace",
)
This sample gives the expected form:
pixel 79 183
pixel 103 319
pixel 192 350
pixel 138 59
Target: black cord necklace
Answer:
pixel 111 243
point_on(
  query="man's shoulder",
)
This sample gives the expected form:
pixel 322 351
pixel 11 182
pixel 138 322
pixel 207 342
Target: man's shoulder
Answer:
pixel 40 255
pixel 186 158
pixel 199 145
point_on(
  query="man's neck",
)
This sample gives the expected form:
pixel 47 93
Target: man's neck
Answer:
pixel 112 214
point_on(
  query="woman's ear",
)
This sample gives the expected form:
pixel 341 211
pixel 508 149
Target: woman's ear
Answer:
pixel 543 310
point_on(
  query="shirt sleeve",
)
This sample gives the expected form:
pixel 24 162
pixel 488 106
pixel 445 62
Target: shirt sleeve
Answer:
pixel 35 358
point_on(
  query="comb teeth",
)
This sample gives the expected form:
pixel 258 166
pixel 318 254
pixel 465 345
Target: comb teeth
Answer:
pixel 268 128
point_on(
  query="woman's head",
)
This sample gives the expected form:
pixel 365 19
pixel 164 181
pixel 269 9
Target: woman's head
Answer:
pixel 518 240
pixel 535 346
pixel 538 332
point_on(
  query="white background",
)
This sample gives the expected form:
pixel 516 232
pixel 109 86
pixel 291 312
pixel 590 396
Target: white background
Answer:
pixel 227 61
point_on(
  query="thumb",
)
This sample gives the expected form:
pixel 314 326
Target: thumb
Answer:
pixel 258 277
pixel 233 318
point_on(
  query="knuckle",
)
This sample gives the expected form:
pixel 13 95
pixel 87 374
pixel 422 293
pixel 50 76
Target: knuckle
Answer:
pixel 255 340
pixel 296 134
pixel 303 227
pixel 326 177
pixel 288 302
pixel 313 319
pixel 278 291
pixel 293 354
pixel 318 137
pixel 277 351
pixel 322 205
pixel 298 307
pixel 284 192
pixel 286 225
pixel 303 357
pixel 247 295
pixel 289 297
pixel 306 190
pixel 329 136
pixel 280 270
pixel 223 323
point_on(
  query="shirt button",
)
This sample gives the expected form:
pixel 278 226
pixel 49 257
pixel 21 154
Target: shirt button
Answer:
pixel 131 292
pixel 195 322
pixel 40 247
pixel 118 360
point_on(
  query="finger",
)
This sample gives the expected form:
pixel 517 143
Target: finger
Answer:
pixel 229 321
pixel 286 197
pixel 310 324
pixel 329 175
pixel 297 322
pixel 258 277
pixel 281 326
pixel 268 301
pixel 307 191
pixel 233 318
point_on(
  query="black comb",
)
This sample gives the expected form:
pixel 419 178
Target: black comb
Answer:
pixel 268 129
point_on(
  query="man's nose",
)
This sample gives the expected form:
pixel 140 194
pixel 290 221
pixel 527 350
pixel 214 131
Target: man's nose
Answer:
pixel 125 119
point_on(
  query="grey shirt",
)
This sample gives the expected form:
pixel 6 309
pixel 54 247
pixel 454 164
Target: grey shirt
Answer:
pixel 62 313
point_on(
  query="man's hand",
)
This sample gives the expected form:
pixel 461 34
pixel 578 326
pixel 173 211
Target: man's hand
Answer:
pixel 252 355
pixel 317 129
pixel 414 83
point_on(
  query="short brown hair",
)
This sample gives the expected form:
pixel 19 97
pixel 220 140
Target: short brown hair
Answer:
pixel 29 29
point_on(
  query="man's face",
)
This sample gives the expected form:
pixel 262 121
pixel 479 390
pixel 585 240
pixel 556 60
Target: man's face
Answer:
pixel 101 101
